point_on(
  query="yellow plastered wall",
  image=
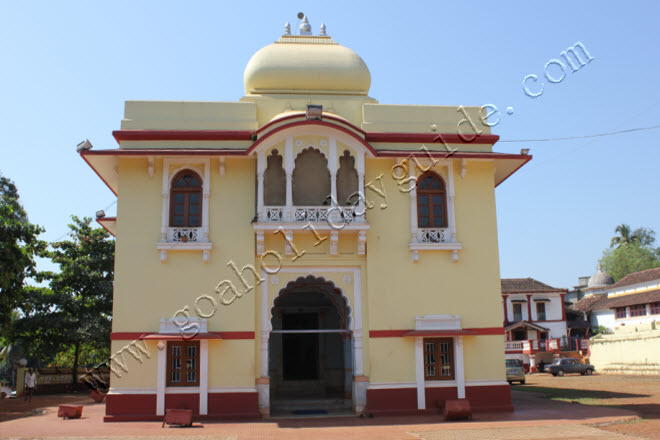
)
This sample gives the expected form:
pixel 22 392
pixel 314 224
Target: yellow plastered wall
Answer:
pixel 401 289
pixel 138 373
pixel 231 363
pixel 392 360
pixel 483 357
pixel 147 290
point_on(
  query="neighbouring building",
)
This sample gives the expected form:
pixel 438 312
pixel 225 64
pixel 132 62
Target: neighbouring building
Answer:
pixel 535 323
pixel 627 315
pixel 631 301
pixel 305 248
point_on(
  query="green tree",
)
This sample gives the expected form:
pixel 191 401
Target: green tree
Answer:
pixel 625 236
pixel 19 245
pixel 75 311
pixel 624 260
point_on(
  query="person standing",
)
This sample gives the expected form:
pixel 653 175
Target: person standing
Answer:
pixel 30 384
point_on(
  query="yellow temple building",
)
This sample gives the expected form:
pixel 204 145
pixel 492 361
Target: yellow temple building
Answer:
pixel 304 248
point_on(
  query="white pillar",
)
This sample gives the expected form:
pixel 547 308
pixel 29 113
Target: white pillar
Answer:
pixel 205 204
pixel 332 167
pixel 166 202
pixel 419 373
pixel 160 378
pixel 261 167
pixel 451 221
pixel 263 382
pixel 288 169
pixel 413 201
pixel 361 195
pixel 459 367
pixel 203 377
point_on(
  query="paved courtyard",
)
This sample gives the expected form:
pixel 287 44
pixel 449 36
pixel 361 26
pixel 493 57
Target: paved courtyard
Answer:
pixel 535 417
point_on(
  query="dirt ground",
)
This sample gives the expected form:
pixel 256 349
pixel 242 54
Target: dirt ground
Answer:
pixel 640 394
pixel 11 409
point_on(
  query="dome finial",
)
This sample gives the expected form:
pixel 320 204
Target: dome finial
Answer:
pixel 305 27
pixel 323 34
pixel 287 29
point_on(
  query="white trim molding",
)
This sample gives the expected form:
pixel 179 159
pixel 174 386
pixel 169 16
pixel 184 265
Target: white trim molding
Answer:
pixel 359 387
pixel 185 239
pixel 433 239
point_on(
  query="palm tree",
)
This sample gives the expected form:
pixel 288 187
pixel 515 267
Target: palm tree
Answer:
pixel 626 236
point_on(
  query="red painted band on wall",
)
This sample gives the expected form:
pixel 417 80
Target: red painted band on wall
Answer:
pixel 450 138
pixel 402 333
pixel 182 135
pixel 130 336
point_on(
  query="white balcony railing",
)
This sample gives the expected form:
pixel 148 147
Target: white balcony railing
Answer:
pixel 185 235
pixel 513 345
pixel 334 214
pixel 433 235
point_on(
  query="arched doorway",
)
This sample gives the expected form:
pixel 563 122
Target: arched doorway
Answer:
pixel 310 348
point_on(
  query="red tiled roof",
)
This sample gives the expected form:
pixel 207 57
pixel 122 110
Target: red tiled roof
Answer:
pixel 590 303
pixel 633 299
pixel 519 324
pixel 527 285
pixel 636 278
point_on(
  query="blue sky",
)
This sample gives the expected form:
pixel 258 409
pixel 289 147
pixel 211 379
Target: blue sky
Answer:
pixel 68 67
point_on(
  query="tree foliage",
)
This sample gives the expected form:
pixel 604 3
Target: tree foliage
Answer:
pixel 75 311
pixel 630 251
pixel 19 245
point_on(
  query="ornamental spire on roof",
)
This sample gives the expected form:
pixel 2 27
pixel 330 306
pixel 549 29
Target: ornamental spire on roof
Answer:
pixel 305 27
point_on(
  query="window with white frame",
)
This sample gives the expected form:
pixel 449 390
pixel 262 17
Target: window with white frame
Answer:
pixel 185 215
pixel 432 207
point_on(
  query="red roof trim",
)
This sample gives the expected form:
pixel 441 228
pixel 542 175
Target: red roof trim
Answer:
pixel 457 154
pixel 106 219
pixel 83 154
pixel 468 331
pixel 302 114
pixel 438 333
pixel 182 135
pixel 164 152
pixel 450 138
pixel 127 336
pixel 311 122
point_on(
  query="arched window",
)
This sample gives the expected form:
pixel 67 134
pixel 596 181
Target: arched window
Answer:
pixel 186 200
pixel 274 181
pixel 347 180
pixel 311 179
pixel 431 201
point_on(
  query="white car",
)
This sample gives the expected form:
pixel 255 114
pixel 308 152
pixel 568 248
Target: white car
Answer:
pixel 6 391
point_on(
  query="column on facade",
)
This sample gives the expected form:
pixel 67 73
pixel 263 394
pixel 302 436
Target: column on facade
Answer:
pixel 288 170
pixel 450 206
pixel 361 195
pixel 261 168
pixel 419 373
pixel 203 377
pixel 205 203
pixel 506 311
pixel 161 378
pixel 166 202
pixel 459 365
pixel 529 307
pixel 263 382
pixel 332 167
pixel 413 200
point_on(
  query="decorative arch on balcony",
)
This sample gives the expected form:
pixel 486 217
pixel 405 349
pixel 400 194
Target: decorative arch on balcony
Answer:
pixel 274 180
pixel 311 179
pixel 347 180
pixel 339 173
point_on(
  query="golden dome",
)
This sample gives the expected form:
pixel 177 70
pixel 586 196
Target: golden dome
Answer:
pixel 306 64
